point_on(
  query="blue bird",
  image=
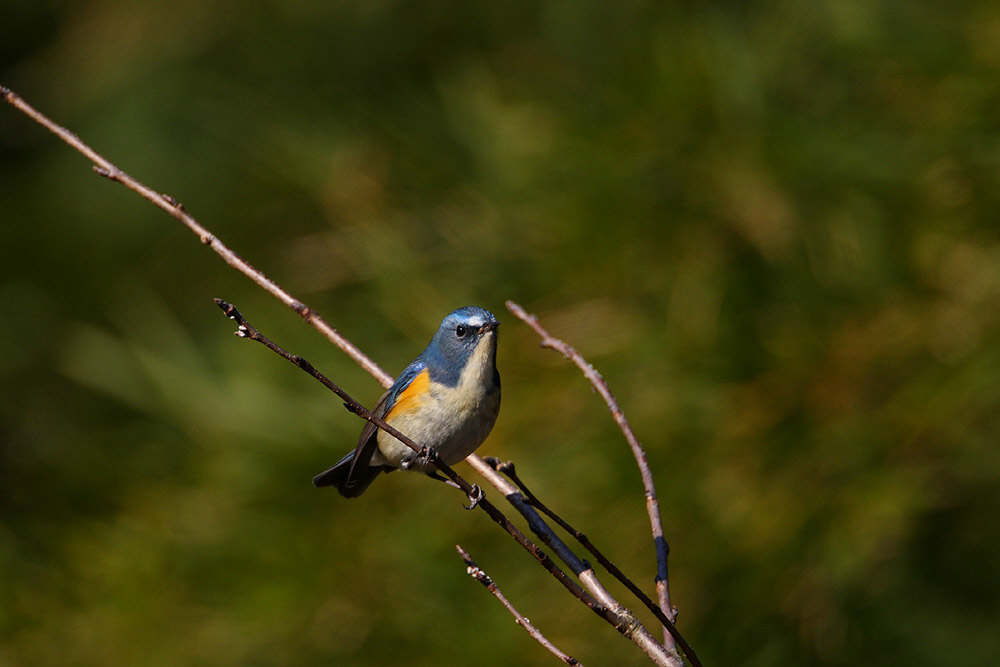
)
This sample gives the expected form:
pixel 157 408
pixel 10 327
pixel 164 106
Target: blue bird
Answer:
pixel 447 399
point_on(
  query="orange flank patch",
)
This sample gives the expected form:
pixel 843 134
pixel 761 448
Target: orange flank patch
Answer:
pixel 411 398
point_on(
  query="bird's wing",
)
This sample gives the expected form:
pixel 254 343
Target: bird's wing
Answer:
pixel 395 396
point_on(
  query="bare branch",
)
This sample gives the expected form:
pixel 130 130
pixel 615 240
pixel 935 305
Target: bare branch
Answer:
pixel 173 207
pixel 652 505
pixel 631 626
pixel 597 599
pixel 508 468
pixel 480 575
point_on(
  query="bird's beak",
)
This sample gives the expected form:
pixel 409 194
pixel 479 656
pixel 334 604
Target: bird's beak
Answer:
pixel 489 326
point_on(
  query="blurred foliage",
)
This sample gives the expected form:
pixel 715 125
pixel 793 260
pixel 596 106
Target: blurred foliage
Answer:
pixel 771 225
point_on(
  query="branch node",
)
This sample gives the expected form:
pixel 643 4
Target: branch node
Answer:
pixel 173 202
pixel 507 468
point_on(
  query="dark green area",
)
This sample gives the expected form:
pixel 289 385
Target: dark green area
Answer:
pixel 772 226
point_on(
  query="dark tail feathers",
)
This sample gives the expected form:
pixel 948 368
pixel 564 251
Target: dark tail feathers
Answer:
pixel 340 475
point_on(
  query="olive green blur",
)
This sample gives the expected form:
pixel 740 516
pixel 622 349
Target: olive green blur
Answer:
pixel 774 227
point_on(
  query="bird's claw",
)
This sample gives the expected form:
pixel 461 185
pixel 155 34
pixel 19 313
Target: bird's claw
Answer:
pixel 475 496
pixel 420 460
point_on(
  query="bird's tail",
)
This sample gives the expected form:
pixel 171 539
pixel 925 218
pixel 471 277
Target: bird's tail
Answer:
pixel 351 484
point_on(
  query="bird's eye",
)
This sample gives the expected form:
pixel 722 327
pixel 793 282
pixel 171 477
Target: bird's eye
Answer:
pixel 461 330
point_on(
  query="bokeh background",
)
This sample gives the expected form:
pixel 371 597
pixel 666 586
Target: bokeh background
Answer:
pixel 772 226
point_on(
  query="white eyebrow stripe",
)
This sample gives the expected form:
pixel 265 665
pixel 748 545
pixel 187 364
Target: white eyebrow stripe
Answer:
pixel 475 321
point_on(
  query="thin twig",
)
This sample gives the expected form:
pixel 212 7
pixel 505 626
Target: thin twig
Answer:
pixel 173 207
pixel 508 468
pixel 602 605
pixel 480 575
pixel 652 505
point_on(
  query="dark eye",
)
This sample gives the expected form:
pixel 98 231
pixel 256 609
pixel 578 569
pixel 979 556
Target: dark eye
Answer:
pixel 461 330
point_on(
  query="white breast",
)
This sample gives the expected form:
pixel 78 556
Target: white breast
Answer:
pixel 454 420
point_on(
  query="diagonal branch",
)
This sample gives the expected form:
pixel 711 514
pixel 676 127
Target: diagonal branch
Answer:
pixel 480 575
pixel 598 599
pixel 507 468
pixel 174 208
pixel 652 505
pixel 584 572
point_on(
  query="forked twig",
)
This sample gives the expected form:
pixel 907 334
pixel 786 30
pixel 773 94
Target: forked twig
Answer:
pixel 586 575
pixel 652 505
pixel 508 469
pixel 480 575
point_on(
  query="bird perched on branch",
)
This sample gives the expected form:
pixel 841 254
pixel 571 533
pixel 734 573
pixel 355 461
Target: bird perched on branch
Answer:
pixel 447 399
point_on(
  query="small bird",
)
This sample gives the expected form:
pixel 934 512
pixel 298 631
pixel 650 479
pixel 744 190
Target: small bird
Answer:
pixel 447 399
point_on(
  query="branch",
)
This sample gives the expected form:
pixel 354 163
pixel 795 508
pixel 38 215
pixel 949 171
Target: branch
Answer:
pixel 652 505
pixel 507 468
pixel 632 627
pixel 598 599
pixel 174 208
pixel 479 575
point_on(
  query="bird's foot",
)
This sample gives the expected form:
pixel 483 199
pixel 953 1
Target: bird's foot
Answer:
pixel 475 496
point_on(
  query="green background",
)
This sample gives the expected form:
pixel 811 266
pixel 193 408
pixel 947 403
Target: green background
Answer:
pixel 772 226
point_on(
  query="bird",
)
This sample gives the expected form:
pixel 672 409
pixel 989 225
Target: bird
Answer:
pixel 446 399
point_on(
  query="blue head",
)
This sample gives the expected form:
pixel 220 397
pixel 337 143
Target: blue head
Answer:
pixel 467 337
